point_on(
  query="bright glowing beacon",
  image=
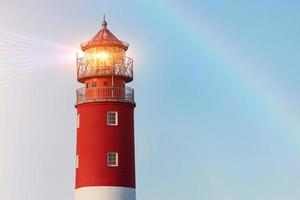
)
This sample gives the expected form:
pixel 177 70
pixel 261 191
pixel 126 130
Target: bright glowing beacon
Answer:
pixel 105 164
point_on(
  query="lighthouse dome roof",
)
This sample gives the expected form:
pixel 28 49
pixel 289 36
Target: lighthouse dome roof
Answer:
pixel 104 38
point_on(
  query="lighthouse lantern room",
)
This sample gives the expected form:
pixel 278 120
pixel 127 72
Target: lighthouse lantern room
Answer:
pixel 105 163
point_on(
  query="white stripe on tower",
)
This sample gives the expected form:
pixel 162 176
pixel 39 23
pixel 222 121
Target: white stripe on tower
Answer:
pixel 104 193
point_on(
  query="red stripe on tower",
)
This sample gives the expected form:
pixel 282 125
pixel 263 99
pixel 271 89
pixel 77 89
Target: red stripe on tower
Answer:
pixel 105 164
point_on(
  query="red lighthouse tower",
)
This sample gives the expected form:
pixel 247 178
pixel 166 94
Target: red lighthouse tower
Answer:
pixel 105 164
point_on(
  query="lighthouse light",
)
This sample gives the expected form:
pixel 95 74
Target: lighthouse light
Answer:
pixel 101 55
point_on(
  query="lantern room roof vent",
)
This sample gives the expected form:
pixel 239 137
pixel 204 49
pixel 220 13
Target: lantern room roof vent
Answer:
pixel 104 38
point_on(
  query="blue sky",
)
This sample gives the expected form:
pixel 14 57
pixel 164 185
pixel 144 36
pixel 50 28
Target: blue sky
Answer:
pixel 216 85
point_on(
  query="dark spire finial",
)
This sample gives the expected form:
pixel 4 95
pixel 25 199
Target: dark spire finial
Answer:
pixel 104 23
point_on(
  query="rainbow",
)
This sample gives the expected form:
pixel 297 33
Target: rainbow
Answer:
pixel 209 35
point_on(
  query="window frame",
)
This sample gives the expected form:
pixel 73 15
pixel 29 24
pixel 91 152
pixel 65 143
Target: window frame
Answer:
pixel 108 119
pixel 78 120
pixel 94 83
pixel 116 163
pixel 77 161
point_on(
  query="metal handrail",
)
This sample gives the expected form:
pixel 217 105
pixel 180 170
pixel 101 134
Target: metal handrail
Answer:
pixel 100 94
pixel 85 69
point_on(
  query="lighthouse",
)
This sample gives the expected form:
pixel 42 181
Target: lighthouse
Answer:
pixel 105 158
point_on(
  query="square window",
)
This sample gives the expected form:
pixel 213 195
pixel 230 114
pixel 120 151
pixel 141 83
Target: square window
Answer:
pixel 112 159
pixel 94 84
pixel 112 118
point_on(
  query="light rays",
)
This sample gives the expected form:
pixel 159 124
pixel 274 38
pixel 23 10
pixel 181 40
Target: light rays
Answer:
pixel 24 53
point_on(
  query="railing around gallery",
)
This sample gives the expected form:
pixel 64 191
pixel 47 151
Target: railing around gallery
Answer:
pixel 87 69
pixel 100 94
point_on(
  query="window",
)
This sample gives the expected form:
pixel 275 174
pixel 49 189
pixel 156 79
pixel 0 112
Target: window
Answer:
pixel 94 84
pixel 77 161
pixel 87 85
pixel 112 118
pixel 112 159
pixel 78 120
